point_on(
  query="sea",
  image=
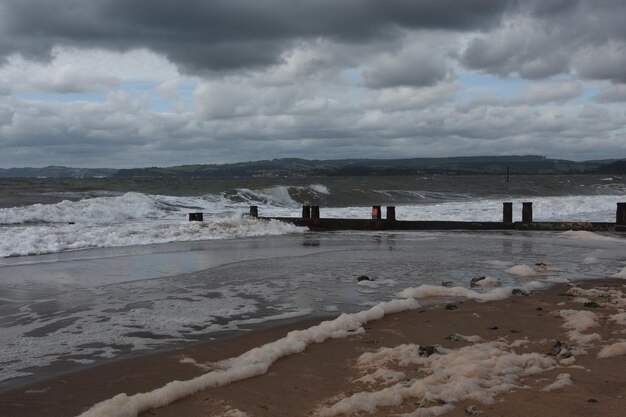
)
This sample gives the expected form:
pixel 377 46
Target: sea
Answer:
pixel 100 269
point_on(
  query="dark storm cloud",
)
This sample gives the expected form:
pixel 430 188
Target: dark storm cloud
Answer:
pixel 224 34
pixel 546 38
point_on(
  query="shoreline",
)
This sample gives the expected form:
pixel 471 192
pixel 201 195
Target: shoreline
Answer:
pixel 53 372
pixel 300 384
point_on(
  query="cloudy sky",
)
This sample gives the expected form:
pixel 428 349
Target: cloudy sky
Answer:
pixel 121 83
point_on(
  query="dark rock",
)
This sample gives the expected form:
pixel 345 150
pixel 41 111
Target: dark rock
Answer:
pixel 472 410
pixel 539 309
pixel 451 306
pixel 592 304
pixel 561 350
pixel 474 282
pixel 427 350
pixel 364 278
pixel 592 400
pixel 493 328
pixel 519 291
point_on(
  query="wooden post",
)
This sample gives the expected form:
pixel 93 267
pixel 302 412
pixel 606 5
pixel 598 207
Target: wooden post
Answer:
pixel 507 212
pixel 254 211
pixel 527 212
pixel 391 212
pixel 196 217
pixel 376 213
pixel 620 214
pixel 315 212
pixel 306 212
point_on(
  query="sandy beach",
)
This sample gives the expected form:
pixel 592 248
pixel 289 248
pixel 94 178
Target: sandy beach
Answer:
pixel 356 375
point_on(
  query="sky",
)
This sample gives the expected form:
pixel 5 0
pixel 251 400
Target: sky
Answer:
pixel 119 83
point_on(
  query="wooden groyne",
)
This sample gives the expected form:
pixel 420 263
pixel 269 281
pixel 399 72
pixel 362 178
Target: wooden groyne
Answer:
pixel 312 219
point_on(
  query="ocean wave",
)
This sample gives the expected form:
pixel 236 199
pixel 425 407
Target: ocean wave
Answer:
pixel 41 239
pixel 281 195
pixel 140 219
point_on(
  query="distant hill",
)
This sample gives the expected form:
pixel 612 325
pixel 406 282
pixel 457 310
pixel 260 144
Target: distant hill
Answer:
pixel 293 167
pixel 56 172
pixel 617 167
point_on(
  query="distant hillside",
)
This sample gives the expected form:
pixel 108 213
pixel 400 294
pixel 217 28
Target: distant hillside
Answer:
pixel 56 172
pixel 293 167
pixel 617 167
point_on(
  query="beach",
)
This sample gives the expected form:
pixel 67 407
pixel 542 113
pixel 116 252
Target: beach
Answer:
pixel 330 374
pixel 112 293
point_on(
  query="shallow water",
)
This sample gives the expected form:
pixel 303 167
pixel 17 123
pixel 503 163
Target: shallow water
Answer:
pixel 74 309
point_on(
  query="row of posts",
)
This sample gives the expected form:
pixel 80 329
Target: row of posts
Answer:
pixel 313 212
pixel 507 212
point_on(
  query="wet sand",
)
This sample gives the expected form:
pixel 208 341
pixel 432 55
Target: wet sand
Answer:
pixel 303 384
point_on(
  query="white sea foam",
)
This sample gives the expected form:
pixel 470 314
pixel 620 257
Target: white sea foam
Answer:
pixel 616 349
pixel 585 235
pixel 381 376
pixel 274 196
pixel 522 270
pixel 106 217
pixel 619 318
pixel 477 372
pixel 251 363
pixel 426 291
pixel 488 282
pixel 319 188
pixel 578 321
pixel 620 274
pixel 561 381
pixel 49 238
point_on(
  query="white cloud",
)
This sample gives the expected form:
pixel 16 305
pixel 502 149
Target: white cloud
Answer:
pixel 169 90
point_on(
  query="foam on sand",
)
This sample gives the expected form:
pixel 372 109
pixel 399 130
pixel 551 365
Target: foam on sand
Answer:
pixel 577 321
pixel 562 380
pixel 252 363
pixel 258 360
pixel 602 296
pixel 473 373
pixel 616 349
pixel 427 291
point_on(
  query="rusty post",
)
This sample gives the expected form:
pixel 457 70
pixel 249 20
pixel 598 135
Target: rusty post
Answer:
pixel 391 212
pixel 315 212
pixel 254 211
pixel 620 214
pixel 507 212
pixel 306 212
pixel 196 217
pixel 527 212
pixel 376 212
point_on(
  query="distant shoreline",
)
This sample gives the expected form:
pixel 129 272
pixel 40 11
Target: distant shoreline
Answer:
pixel 303 168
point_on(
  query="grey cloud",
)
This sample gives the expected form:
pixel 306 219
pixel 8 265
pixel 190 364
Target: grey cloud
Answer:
pixel 224 34
pixel 522 47
pixel 613 94
pixel 116 132
pixel 607 62
pixel 422 61
pixel 64 81
pixel 550 37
